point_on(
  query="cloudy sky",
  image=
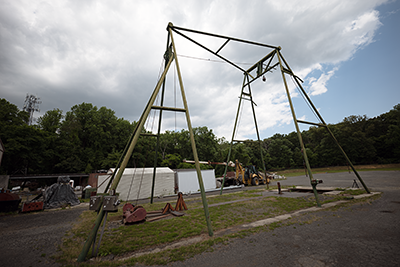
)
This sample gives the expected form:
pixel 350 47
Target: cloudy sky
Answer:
pixel 109 53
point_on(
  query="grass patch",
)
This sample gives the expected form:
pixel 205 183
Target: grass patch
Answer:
pixel 354 192
pixel 119 240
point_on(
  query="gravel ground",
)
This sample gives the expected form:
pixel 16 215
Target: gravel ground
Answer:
pixel 359 235
pixel 30 239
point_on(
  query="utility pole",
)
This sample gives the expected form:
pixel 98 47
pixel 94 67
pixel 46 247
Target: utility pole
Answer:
pixel 31 105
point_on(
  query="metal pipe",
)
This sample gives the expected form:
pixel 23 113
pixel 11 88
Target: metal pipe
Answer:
pixel 298 131
pixel 127 145
pixel 118 176
pixel 265 71
pixel 209 50
pixel 159 128
pixel 329 131
pixel 140 127
pixel 224 37
pixel 233 135
pixel 258 134
pixel 312 123
pixel 270 55
pixel 169 108
pixel 192 141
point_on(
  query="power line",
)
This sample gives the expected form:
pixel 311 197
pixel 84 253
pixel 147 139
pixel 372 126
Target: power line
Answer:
pixel 213 60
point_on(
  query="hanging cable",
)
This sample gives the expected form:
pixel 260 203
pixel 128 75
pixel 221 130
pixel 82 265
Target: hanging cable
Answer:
pixel 214 60
pixel 140 186
pixel 305 100
pixel 154 114
pixel 239 118
pixel 133 177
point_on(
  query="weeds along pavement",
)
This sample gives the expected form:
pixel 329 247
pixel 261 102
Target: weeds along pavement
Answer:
pixel 179 238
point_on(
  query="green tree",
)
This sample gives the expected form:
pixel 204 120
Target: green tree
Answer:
pixel 50 121
pixel 23 144
pixel 10 115
pixel 172 161
pixel 281 155
pixel 89 135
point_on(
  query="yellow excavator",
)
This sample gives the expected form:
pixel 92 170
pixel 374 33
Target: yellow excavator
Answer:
pixel 244 175
pixel 248 175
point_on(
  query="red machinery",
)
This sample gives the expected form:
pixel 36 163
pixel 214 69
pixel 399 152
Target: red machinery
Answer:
pixel 9 201
pixel 132 214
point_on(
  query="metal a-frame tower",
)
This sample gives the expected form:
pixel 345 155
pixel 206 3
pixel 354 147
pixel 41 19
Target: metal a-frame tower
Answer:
pixel 272 60
pixel 260 68
pixel 257 71
pixel 169 56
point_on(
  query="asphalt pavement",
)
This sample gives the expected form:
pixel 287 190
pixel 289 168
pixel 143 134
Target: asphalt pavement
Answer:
pixel 366 234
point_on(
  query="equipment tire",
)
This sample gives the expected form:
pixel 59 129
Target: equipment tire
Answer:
pixel 240 179
pixel 255 181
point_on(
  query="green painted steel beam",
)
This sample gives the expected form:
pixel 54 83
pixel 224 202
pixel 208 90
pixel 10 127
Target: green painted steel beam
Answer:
pixel 192 141
pixel 167 57
pixel 176 28
pixel 298 131
pixel 169 109
pixel 312 123
pixel 258 134
pixel 329 131
pixel 233 135
pixel 128 154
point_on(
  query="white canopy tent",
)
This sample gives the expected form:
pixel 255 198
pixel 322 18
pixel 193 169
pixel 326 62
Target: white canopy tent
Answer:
pixel 137 183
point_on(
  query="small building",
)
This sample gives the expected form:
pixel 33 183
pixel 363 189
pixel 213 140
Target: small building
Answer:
pixel 187 181
pixel 137 183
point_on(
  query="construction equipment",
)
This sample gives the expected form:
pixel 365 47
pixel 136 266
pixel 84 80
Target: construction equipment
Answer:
pixel 33 205
pixel 9 201
pixel 243 175
pixel 247 175
pixel 132 214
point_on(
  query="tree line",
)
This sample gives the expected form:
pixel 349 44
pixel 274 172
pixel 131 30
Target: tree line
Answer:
pixel 88 138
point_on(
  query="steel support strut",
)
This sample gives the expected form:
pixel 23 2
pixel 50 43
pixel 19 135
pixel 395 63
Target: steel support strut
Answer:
pixel 128 154
pixel 325 125
pixel 313 183
pixel 233 136
pixel 189 124
pixel 258 134
pixel 166 56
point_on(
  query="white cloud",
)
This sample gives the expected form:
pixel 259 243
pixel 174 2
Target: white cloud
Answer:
pixel 319 86
pixel 109 53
